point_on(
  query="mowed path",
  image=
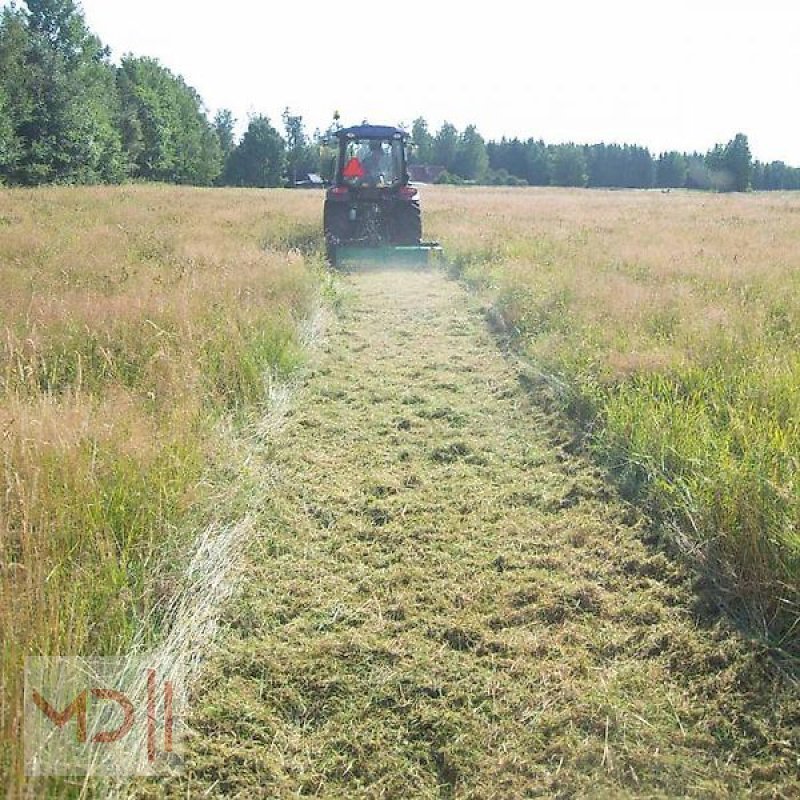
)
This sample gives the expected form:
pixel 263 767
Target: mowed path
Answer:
pixel 445 601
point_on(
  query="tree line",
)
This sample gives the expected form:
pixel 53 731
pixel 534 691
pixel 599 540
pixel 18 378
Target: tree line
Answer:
pixel 466 157
pixel 69 115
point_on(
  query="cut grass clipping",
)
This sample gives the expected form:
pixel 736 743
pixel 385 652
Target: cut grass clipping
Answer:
pixel 445 600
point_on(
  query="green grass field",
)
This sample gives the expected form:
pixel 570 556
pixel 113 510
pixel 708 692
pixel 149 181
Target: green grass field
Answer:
pixel 672 322
pixel 142 330
pixel 134 322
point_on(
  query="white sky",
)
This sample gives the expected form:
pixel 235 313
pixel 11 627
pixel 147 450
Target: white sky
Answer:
pixel 669 75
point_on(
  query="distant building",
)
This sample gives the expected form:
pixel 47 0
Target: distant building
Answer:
pixel 311 181
pixel 424 173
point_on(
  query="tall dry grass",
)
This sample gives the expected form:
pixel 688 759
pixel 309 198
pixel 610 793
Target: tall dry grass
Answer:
pixel 131 320
pixel 674 321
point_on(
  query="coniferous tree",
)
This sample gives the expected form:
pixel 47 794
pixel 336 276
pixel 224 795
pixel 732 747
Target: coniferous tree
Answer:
pixel 509 155
pixel 516 159
pixel 671 170
pixel 718 176
pixel 604 165
pixel 697 171
pixel 759 176
pixel 568 164
pixel 537 163
pixel 738 162
pixel 775 176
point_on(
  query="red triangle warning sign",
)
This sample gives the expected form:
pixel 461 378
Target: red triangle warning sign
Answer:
pixel 353 169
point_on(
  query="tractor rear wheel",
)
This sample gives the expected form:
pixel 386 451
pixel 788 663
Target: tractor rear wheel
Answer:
pixel 336 225
pixel 407 224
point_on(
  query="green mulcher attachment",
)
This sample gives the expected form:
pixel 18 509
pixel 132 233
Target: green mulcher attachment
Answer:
pixel 424 254
pixel 372 210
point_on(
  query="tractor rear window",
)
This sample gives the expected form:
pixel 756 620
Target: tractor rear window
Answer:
pixel 372 162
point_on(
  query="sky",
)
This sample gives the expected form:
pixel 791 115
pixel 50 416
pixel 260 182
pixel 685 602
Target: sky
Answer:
pixel 667 75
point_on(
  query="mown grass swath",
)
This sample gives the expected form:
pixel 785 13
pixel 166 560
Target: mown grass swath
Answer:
pixel 674 321
pixel 132 321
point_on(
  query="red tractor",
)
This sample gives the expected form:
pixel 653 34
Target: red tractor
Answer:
pixel 372 212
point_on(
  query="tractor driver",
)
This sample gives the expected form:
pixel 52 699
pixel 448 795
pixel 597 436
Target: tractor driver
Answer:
pixel 375 163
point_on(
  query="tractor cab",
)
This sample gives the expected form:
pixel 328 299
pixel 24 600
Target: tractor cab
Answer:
pixel 371 156
pixel 372 214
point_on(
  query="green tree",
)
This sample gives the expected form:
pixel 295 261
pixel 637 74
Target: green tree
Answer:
pixel 301 157
pixel 527 161
pixel 150 121
pixel 166 133
pixel 619 165
pixel 698 175
pixel 445 146
pixel 537 163
pixel 15 105
pixel 671 170
pixel 568 165
pixel 8 139
pixel 260 158
pixel 423 142
pixel 60 23
pixel 327 148
pixel 199 160
pixel 225 127
pixel 775 176
pixel 730 166
pixel 603 165
pixel 717 175
pixel 642 168
pixel 60 95
pixel 510 155
pixel 471 160
pixel 738 162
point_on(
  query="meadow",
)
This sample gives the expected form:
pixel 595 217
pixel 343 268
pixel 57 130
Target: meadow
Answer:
pixel 667 325
pixel 137 325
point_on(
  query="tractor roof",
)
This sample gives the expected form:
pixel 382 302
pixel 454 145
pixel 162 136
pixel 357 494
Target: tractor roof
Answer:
pixel 372 132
